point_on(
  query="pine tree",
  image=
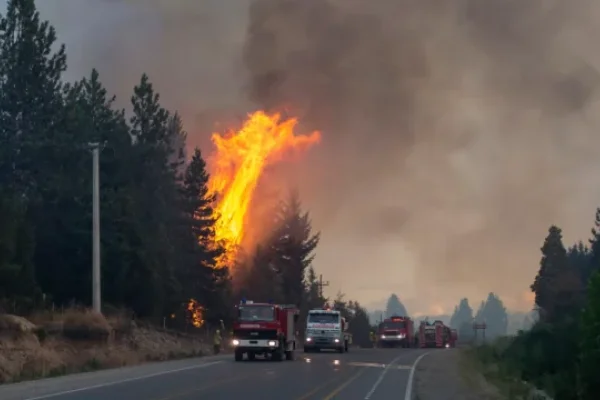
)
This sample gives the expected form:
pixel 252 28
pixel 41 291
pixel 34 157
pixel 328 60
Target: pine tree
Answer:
pixel 153 271
pixel 590 343
pixel 30 72
pixel 200 278
pixel 463 313
pixel 395 307
pixel 580 258
pixel 293 244
pixel 594 262
pixel 30 111
pixel 495 316
pixel 557 286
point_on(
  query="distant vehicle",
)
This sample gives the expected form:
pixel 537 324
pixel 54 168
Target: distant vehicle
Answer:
pixel 436 335
pixel 396 331
pixel 265 329
pixel 326 329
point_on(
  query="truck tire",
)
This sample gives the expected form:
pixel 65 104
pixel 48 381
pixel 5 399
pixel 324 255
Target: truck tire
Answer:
pixel 239 356
pixel 341 349
pixel 307 349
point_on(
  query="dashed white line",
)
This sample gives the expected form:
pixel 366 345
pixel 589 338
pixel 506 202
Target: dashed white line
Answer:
pixel 381 376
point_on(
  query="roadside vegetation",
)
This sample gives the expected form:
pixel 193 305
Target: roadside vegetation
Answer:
pixel 560 354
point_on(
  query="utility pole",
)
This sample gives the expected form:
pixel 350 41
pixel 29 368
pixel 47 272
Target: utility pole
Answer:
pixel 96 287
pixel 321 285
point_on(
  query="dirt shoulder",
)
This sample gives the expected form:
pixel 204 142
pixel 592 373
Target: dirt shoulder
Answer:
pixel 81 341
pixel 447 375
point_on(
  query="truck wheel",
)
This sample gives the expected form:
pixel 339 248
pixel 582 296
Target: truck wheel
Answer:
pixel 307 350
pixel 341 349
pixel 239 356
pixel 289 355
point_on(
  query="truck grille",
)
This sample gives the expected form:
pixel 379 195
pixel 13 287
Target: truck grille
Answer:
pixel 321 333
pixel 245 334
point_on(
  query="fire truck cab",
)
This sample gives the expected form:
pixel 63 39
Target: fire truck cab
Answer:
pixel 326 328
pixel 396 331
pixel 265 329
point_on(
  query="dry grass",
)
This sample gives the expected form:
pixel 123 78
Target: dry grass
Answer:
pixel 440 376
pixel 51 344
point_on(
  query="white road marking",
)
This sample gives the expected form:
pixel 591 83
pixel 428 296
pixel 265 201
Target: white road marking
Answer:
pixel 381 376
pixel 376 365
pixel 411 375
pixel 137 378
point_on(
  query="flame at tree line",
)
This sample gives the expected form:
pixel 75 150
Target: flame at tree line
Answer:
pixel 196 312
pixel 238 162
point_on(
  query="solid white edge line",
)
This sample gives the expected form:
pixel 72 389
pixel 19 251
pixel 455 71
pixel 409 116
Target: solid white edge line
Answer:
pixel 411 376
pixel 381 376
pixel 113 383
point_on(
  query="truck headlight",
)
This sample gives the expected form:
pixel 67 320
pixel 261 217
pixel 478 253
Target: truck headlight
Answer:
pixel 337 340
pixel 235 342
pixel 383 336
pixel 272 343
pixel 308 339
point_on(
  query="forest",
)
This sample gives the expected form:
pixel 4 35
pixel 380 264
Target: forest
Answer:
pixel 560 353
pixel 157 214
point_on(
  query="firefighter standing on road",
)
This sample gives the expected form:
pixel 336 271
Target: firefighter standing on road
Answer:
pixel 217 341
pixel 372 337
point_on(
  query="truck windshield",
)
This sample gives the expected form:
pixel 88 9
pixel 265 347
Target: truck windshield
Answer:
pixel 392 325
pixel 256 313
pixel 323 318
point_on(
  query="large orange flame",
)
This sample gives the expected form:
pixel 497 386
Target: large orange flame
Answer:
pixel 238 162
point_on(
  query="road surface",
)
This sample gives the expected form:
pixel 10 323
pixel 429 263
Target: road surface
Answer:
pixel 365 374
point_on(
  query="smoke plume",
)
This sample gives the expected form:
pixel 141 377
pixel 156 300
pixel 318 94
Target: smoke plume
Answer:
pixel 454 132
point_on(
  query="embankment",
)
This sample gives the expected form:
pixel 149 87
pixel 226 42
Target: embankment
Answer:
pixel 53 344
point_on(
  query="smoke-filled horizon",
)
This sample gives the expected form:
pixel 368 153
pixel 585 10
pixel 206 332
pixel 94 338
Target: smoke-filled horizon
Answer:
pixel 454 133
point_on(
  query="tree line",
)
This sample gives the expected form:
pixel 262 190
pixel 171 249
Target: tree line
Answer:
pixel 560 354
pixel 157 214
pixel 491 312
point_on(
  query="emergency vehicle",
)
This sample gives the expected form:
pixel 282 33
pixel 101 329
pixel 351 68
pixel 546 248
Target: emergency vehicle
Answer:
pixel 436 335
pixel 326 329
pixel 396 331
pixel 265 329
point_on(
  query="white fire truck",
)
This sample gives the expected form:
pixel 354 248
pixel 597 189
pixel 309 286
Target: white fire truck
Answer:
pixel 326 329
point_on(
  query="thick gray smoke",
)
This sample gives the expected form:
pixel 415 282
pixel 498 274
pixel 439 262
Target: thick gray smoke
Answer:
pixel 460 128
pixel 454 131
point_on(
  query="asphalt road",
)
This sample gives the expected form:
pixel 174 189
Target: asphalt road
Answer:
pixel 367 374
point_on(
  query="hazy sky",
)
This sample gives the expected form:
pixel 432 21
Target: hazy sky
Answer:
pixel 454 132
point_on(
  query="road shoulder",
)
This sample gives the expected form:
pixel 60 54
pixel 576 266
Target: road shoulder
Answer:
pixel 446 374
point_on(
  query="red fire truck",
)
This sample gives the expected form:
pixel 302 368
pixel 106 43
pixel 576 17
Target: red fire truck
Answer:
pixel 436 335
pixel 265 329
pixel 395 331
